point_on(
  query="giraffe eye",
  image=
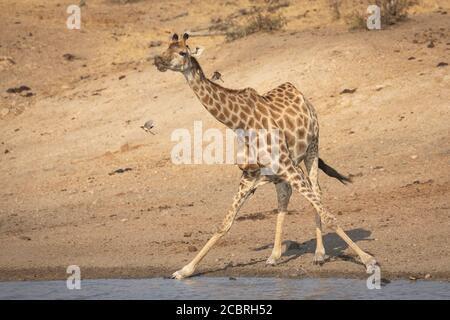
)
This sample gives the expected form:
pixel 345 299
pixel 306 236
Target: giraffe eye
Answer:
pixel 182 53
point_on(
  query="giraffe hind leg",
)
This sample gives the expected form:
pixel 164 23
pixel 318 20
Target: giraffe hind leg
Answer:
pixel 312 167
pixel 301 183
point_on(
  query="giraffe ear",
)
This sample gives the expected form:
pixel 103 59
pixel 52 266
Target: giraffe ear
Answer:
pixel 175 37
pixel 197 52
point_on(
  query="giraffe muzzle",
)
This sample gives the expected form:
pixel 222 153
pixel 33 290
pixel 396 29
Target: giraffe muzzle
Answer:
pixel 159 63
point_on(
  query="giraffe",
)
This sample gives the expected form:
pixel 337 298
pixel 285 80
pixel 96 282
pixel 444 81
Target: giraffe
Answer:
pixel 284 108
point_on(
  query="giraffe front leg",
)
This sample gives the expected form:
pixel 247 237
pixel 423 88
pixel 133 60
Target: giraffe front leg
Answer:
pixel 284 192
pixel 276 252
pixel 302 184
pixel 247 185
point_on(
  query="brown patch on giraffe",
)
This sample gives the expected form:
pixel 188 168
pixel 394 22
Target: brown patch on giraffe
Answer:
pixel 263 109
pixel 205 100
pixel 251 104
pixel 265 123
pixel 300 147
pixel 304 108
pixel 242 115
pixel 290 95
pixel 257 115
pixel 290 138
pixel 223 97
pixel 221 117
pixel 279 105
pixel 214 112
pixel 289 123
pixel 290 112
pixel 301 133
pixel 246 109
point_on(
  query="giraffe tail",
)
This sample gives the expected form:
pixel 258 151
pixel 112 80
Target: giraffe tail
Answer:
pixel 333 173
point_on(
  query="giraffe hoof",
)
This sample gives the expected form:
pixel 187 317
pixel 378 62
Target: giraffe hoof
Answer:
pixel 177 275
pixel 370 264
pixel 320 258
pixel 180 274
pixel 271 261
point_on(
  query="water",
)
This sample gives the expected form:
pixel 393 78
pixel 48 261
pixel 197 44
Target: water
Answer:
pixel 223 288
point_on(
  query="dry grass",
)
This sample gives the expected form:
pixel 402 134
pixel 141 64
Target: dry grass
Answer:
pixel 267 22
pixel 392 11
pixel 356 21
pixel 335 9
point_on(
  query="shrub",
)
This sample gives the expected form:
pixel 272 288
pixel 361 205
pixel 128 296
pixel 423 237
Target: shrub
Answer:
pixel 260 22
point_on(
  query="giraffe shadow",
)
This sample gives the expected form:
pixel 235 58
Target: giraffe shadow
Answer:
pixel 334 246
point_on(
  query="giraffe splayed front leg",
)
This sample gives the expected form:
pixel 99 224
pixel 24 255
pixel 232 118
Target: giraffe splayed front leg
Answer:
pixel 248 184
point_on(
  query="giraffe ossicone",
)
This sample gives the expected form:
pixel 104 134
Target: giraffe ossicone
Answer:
pixel 283 108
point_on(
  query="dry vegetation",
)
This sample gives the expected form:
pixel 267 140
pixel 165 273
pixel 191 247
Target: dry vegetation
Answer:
pixel 267 22
pixel 392 11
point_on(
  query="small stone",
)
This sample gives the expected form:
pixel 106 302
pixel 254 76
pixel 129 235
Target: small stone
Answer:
pixel 414 156
pixel 427 276
pixel 4 112
pixel 192 248
pixel 154 44
pixel 18 89
pixel 122 77
pixel 232 278
pixel 69 56
pixel 348 91
pixel 442 64
pixel 124 220
pixel 430 44
pixel 26 238
pixel 187 234
pixel 412 278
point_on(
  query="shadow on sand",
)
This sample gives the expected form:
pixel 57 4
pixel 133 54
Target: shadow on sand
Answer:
pixel 334 247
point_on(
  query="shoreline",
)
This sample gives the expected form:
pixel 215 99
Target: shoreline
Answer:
pixel 95 273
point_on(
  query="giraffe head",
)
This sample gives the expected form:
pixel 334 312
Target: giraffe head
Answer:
pixel 177 56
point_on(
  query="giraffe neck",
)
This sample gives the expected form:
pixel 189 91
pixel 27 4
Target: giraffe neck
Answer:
pixel 226 105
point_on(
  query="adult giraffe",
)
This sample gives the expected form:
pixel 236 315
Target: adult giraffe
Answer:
pixel 283 108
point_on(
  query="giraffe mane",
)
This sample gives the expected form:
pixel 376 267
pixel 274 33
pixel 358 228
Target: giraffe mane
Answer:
pixel 198 69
